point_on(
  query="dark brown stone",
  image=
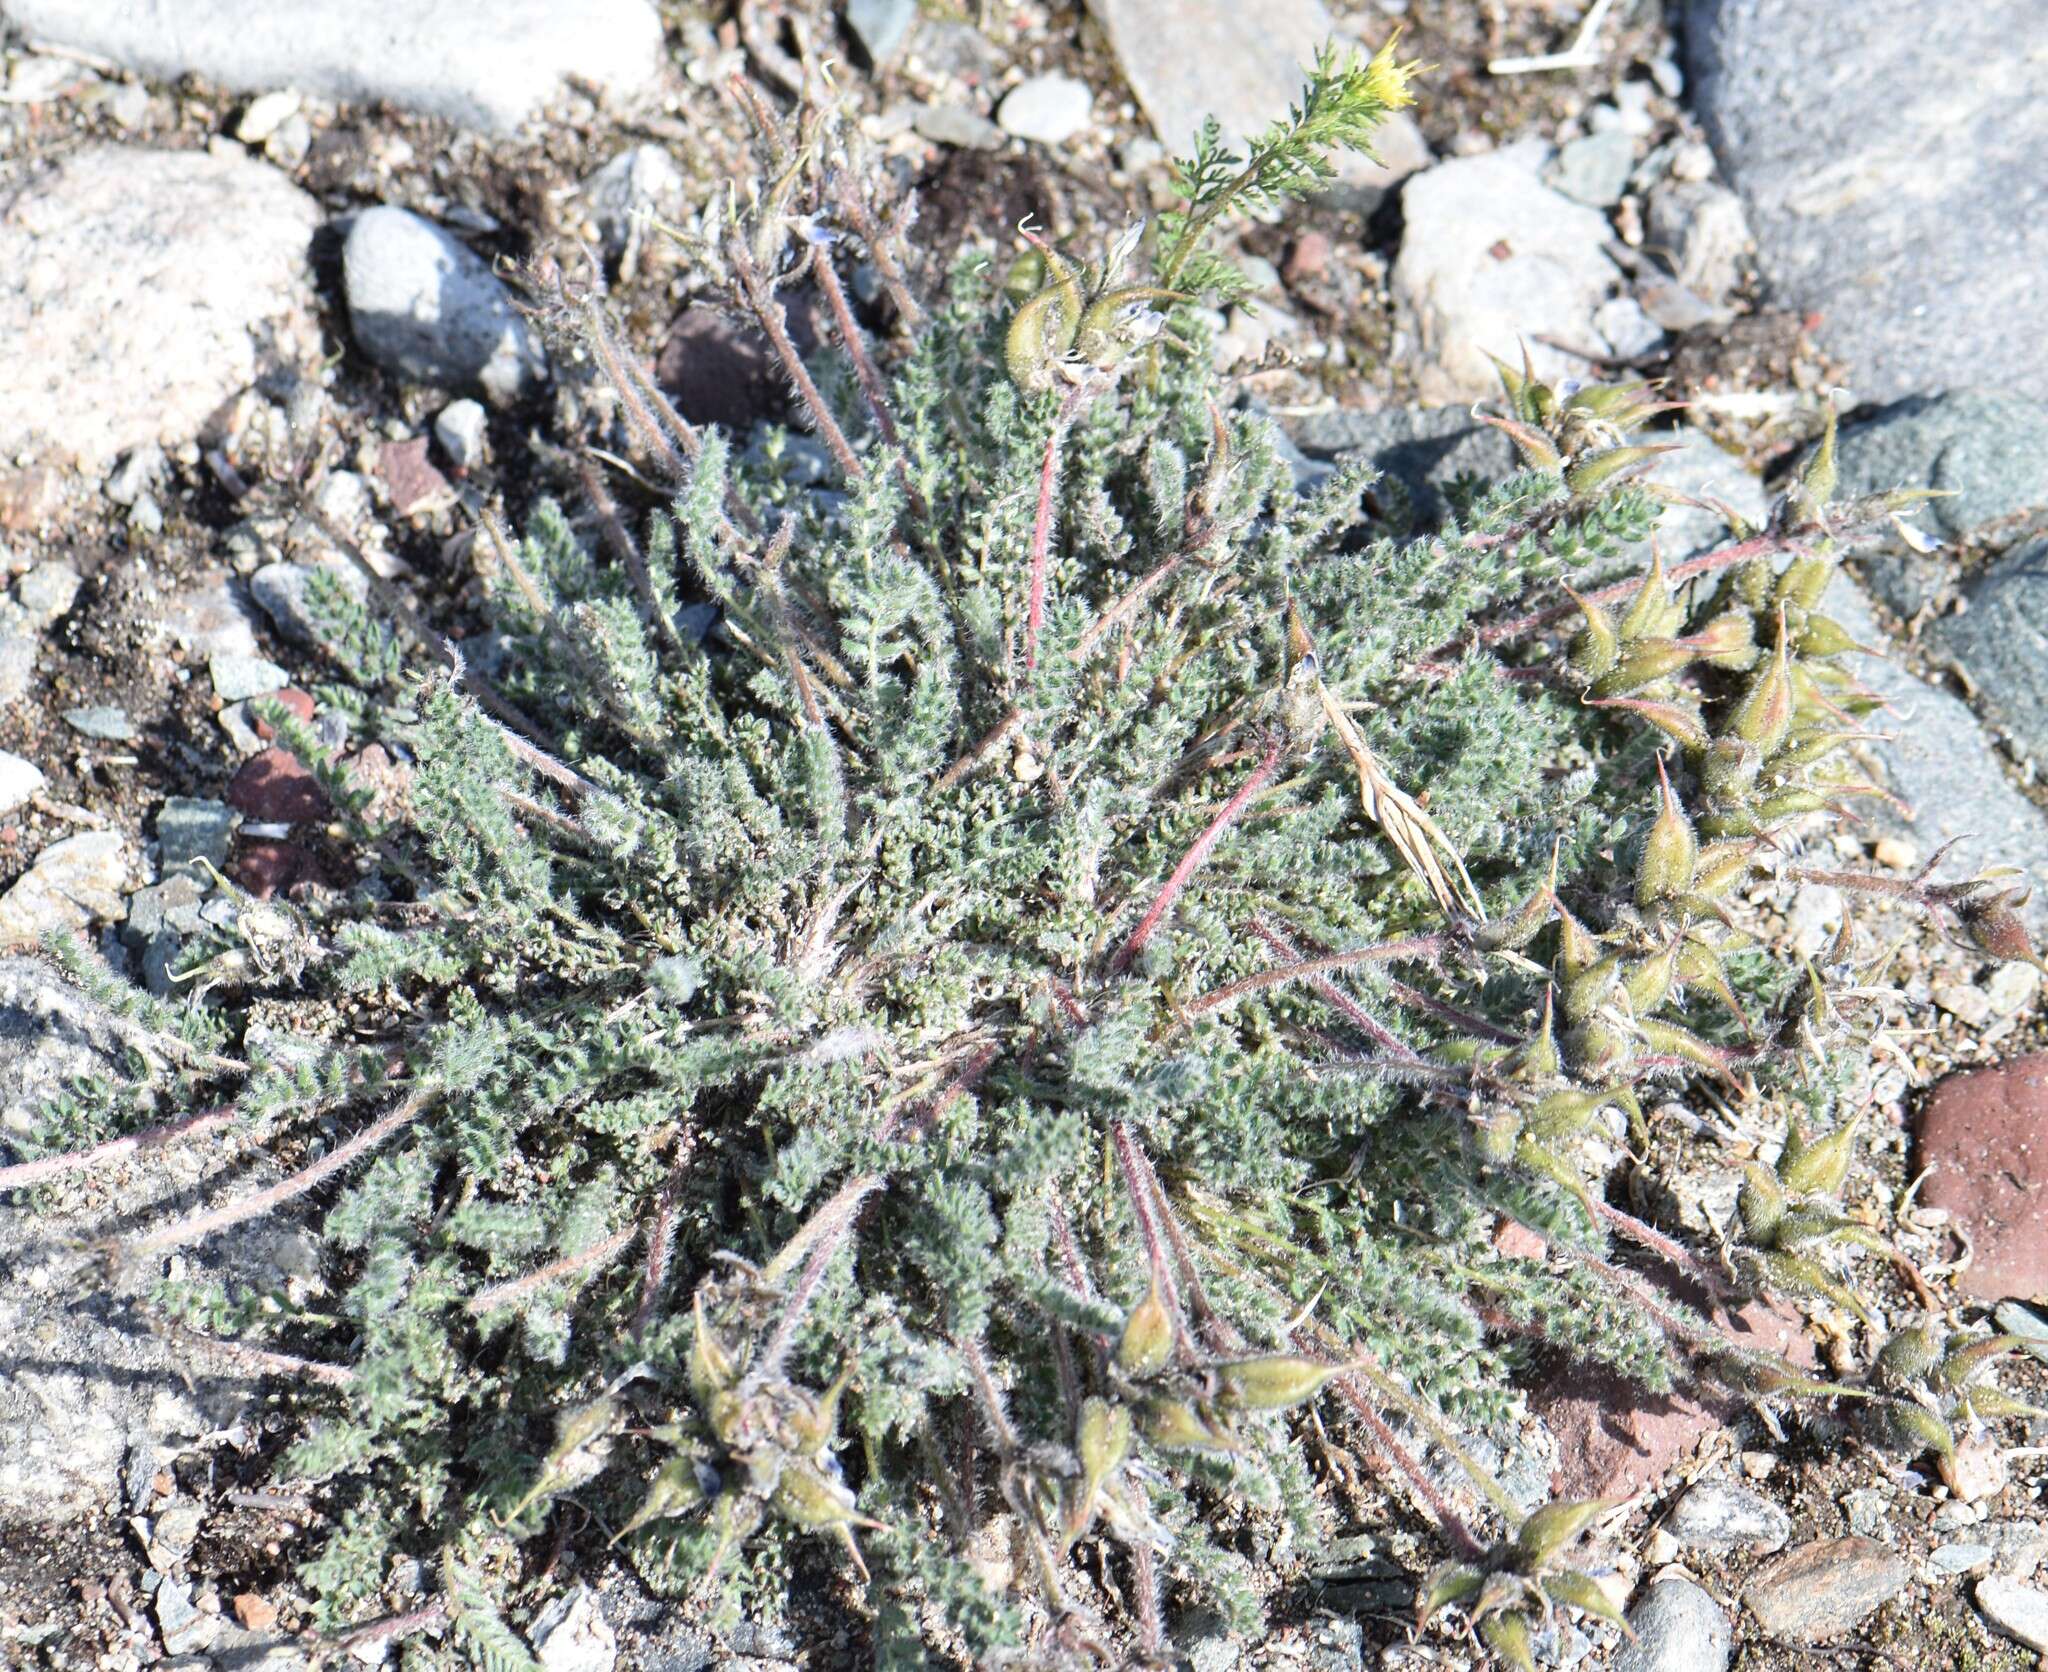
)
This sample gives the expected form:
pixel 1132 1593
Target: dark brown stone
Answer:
pixel 1821 1590
pixel 274 788
pixel 1613 1439
pixel 265 867
pixel 1984 1144
pixel 412 481
pixel 718 371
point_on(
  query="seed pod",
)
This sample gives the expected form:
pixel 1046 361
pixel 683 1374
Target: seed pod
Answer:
pixel 1590 475
pixel 1764 715
pixel 1958 1367
pixel 1496 1136
pixel 1914 1429
pixel 1668 1039
pixel 1648 612
pixel 675 1490
pixel 1147 1340
pixel 1804 749
pixel 1581 1591
pixel 1722 865
pixel 1671 851
pixel 1273 1381
pixel 1596 645
pixel 1649 983
pixel 1103 1439
pixel 1507 1635
pixel 1822 636
pixel 1564 1114
pixel 1760 1205
pixel 1907 1359
pixel 1729 770
pixel 1554 1526
pixel 1789 804
pixel 1537 1057
pixel 1598 1049
pixel 1995 929
pixel 1678 721
pixel 808 1498
pixel 1180 1426
pixel 1645 663
pixel 1989 1404
pixel 1449 1585
pixel 1818 1169
pixel 1728 642
pixel 711 1369
pixel 1514 932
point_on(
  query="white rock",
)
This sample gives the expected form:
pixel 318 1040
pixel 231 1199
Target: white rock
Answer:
pixel 460 428
pixel 1714 1516
pixel 19 779
pixel 1492 259
pixel 139 290
pixel 1048 109
pixel 483 63
pixel 1679 1628
pixel 423 306
pixel 2020 1611
pixel 571 1635
pixel 265 115
pixel 73 883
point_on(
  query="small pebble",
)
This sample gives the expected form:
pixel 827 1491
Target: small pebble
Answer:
pixel 19 779
pixel 1968 1004
pixel 1046 109
pixel 265 115
pixel 236 678
pixel 1822 1590
pixel 460 429
pixel 1895 854
pixel 2012 988
pixel 1678 1628
pixel 956 125
pixel 1712 1516
pixel 103 721
pixel 188 828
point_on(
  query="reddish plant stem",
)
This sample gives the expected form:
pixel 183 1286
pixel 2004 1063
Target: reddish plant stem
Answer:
pixel 1413 946
pixel 654 1275
pixel 1478 1026
pixel 1354 1012
pixel 1129 1164
pixel 260 1358
pixel 626 549
pixel 768 314
pixel 196 1226
pixel 1191 861
pixel 827 1229
pixel 72 1161
pixel 1389 1442
pixel 861 217
pixel 991 741
pixel 1041 527
pixel 1146 1583
pixel 516 1288
pixel 1648 1236
pixel 397 1626
pixel 619 370
pixel 856 348
pixel 1706 564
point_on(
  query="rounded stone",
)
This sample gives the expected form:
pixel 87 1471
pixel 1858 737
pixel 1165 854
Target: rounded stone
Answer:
pixel 139 290
pixel 1679 1628
pixel 1048 109
pixel 424 307
pixel 1984 1141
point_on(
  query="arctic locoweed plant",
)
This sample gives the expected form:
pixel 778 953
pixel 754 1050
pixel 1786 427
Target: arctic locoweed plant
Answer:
pixel 964 1095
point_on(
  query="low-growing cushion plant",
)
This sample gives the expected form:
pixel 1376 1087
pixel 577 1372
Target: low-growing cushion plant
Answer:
pixel 969 1091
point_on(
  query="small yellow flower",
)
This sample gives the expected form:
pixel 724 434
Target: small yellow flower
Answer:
pixel 1389 79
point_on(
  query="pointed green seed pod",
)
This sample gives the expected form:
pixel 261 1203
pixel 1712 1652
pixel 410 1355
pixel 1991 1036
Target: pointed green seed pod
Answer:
pixel 1147 1340
pixel 1818 1169
pixel 1554 1526
pixel 1764 715
pixel 1823 636
pixel 1180 1426
pixel 1671 852
pixel 1597 644
pixel 1589 476
pixel 1507 1635
pixel 1649 982
pixel 1648 610
pixel 1644 664
pixel 675 1490
pixel 1273 1381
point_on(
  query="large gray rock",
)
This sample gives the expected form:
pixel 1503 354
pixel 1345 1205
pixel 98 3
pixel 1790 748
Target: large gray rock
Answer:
pixel 2001 641
pixel 1188 60
pixel 1492 260
pixel 1679 1628
pixel 423 305
pixel 75 882
pixel 484 63
pixel 1986 450
pixel 139 290
pixel 1894 175
pixel 1942 765
pixel 92 1399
